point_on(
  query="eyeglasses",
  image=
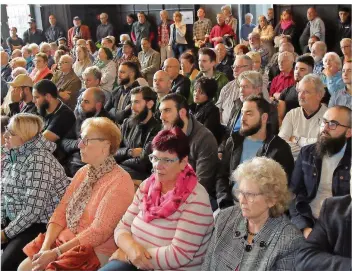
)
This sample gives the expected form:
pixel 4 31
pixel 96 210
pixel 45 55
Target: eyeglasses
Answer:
pixel 250 197
pixel 166 161
pixel 331 124
pixel 7 130
pixel 238 67
pixel 85 141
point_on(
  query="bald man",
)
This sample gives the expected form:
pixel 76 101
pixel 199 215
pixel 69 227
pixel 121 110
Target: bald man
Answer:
pixel 315 27
pixel 105 28
pixel 162 87
pixel 180 84
pixel 224 61
pixel 67 82
pixel 5 67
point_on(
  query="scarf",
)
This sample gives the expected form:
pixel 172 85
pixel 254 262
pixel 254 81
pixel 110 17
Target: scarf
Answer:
pixel 286 24
pixel 155 205
pixel 82 195
pixel 100 64
pixel 36 77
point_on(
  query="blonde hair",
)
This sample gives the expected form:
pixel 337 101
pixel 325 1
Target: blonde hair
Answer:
pixel 177 14
pixel 271 180
pixel 165 12
pixel 226 7
pixel 106 128
pixel 255 56
pixel 287 54
pixel 80 66
pixel 19 61
pixel 26 125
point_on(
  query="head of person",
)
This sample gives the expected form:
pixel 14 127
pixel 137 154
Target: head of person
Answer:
pixel 22 128
pixel 347 73
pixel 304 65
pixel 103 18
pixel 262 188
pixel 57 55
pixel 242 63
pixel 64 48
pixel 13 31
pixel 92 48
pixel 174 111
pixel 204 90
pixel 248 18
pixel 53 48
pixel 270 13
pixel 332 63
pixel 81 42
pixel 310 92
pixel 251 83
pixel 143 101
pixel 285 61
pixel 124 38
pixel 16 53
pixel 255 115
pixel 17 71
pixel 4 122
pixel 25 84
pixel 82 53
pixel 335 130
pixel 187 62
pixel 105 54
pixel 164 15
pixel 40 61
pixel 128 73
pixel 162 82
pixel 44 93
pixel 32 23
pixel 145 44
pixel 286 15
pixel 170 154
pixel 221 51
pixel 207 59
pixel 220 18
pixel 62 41
pixel 100 138
pixel 91 77
pixel 141 17
pixel 283 39
pixel 4 58
pixel 172 67
pixel 344 13
pixel 256 60
pixel 92 102
pixel 128 48
pixel 45 48
pixel 311 14
pixel 240 49
pixel 346 47
pixel 52 20
pixel 254 40
pixel 262 21
pixel 313 39
pixel 65 63
pixel 18 62
pixel 201 13
pixel 177 17
pixel 318 50
pixel 26 52
pixel 130 19
pixel 77 21
pixel 226 10
pixel 108 43
pixel 35 48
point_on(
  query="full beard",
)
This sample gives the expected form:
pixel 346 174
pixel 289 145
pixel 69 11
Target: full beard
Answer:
pixel 329 146
pixel 42 108
pixel 252 130
pixel 137 119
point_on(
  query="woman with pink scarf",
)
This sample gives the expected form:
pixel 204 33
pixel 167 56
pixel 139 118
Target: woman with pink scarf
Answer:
pixel 169 223
pixel 286 26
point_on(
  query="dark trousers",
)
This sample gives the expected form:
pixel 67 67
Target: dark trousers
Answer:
pixel 118 266
pixel 178 49
pixel 12 254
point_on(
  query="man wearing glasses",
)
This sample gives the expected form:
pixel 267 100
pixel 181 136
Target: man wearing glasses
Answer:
pixel 322 170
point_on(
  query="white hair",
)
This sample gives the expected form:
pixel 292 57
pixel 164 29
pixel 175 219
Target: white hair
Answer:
pixel 126 36
pixel 316 81
pixel 17 71
pixel 33 45
pixel 249 15
pixel 335 56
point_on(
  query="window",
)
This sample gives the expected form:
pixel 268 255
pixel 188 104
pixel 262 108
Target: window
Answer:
pixel 18 16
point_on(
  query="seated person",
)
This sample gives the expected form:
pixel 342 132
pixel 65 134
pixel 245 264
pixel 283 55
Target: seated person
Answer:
pixel 127 53
pixel 225 62
pixel 203 109
pixel 255 234
pixel 332 75
pixel 254 138
pixel 171 197
pixel 322 169
pixel 138 132
pixel 32 184
pixel 41 70
pixel 255 45
pixel 58 117
pixel 180 84
pixel 318 51
pixel 300 126
pixel 346 45
pixel 255 56
pixel 108 69
pixel 27 55
pixel 67 82
pixel 149 60
pixel 91 104
pixel 5 67
pixel 162 87
pixel 79 235
pixel 188 66
pixel 328 247
pixel 344 95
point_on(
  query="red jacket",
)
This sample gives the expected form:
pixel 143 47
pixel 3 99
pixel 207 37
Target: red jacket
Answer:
pixel 85 34
pixel 220 31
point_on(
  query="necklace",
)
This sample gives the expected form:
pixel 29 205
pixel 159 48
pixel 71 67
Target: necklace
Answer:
pixel 250 233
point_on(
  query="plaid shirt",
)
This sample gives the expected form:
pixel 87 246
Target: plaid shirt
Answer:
pixel 165 34
pixel 33 183
pixel 124 58
pixel 201 28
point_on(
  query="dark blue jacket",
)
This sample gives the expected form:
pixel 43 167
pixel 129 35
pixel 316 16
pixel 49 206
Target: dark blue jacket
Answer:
pixel 305 182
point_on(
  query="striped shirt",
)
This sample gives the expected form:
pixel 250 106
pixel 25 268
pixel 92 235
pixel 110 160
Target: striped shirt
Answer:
pixel 179 241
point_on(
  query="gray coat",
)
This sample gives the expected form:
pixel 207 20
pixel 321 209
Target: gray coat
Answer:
pixel 150 63
pixel 273 248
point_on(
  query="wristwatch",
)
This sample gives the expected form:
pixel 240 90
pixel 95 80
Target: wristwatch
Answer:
pixel 58 252
pixel 297 138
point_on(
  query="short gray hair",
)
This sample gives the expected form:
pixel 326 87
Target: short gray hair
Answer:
pixel 247 58
pixel 335 56
pixel 316 81
pixel 322 45
pixel 93 70
pixel 126 36
pixel 255 78
pixel 288 54
pixel 249 15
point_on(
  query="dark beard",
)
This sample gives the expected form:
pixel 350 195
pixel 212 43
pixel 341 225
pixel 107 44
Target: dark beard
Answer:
pixel 43 108
pixel 137 119
pixel 251 131
pixel 124 82
pixel 179 122
pixel 329 146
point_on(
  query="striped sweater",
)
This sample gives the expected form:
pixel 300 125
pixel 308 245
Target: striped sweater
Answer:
pixel 178 242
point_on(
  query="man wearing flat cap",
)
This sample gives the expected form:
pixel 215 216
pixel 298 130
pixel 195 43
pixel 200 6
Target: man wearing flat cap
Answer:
pixel 21 99
pixel 33 34
pixel 78 30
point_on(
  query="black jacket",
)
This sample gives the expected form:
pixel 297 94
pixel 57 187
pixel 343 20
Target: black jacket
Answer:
pixel 273 147
pixel 53 33
pixel 137 136
pixel 225 66
pixel 112 104
pixel 305 182
pixel 343 31
pixel 28 108
pixel 6 73
pixel 181 85
pixel 291 31
pixel 328 246
pixel 37 37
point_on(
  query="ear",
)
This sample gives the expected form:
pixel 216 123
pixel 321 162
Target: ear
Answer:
pixel 150 104
pixel 349 133
pixel 265 117
pixel 183 113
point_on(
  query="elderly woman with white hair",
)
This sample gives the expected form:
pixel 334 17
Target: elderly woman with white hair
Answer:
pixel 246 28
pixel 229 18
pixel 266 32
pixel 332 75
pixel 255 234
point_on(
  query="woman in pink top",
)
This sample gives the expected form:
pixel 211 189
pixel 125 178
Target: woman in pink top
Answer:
pixel 80 233
pixel 169 224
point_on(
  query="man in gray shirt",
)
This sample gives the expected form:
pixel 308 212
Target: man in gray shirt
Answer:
pixel 105 28
pixel 141 29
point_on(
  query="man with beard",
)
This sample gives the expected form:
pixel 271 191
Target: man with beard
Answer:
pixel 322 170
pixel 203 146
pixel 318 51
pixel 253 139
pixel 138 132
pixel 119 103
pixel 58 117
pixel 300 126
pixel 91 105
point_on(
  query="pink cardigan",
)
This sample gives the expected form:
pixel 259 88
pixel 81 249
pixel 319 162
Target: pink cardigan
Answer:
pixel 110 199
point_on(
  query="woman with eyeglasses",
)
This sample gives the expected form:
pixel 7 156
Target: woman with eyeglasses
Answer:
pixel 255 234
pixel 33 182
pixel 79 235
pixel 169 224
pixel 41 70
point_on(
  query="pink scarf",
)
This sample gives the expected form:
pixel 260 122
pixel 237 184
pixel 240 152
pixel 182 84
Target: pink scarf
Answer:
pixel 286 24
pixel 157 206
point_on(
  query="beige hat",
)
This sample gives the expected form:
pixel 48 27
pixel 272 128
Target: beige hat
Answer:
pixel 22 80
